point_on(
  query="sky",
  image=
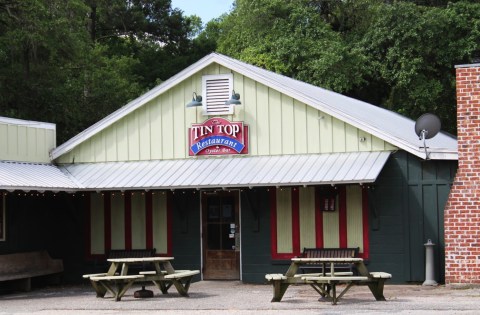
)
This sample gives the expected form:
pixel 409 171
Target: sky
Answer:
pixel 205 9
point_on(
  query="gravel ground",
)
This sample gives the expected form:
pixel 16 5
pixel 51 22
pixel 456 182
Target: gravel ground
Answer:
pixel 233 297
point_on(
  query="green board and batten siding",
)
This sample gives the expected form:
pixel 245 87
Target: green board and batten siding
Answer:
pixel 406 209
pixel 406 206
pixel 277 124
pixel 26 141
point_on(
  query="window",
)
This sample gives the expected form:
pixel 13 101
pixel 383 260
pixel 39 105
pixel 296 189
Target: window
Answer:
pixel 2 217
pixel 217 89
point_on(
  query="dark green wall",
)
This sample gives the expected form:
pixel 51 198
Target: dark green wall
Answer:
pixel 256 249
pixel 406 209
pixel 56 224
pixel 186 230
pixel 52 223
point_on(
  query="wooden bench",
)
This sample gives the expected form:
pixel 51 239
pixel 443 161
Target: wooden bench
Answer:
pixel 380 275
pixel 181 279
pixel 182 274
pixel 131 253
pixel 328 253
pixel 324 284
pixel 345 273
pixel 275 277
pixel 18 269
pixel 117 285
pixel 330 279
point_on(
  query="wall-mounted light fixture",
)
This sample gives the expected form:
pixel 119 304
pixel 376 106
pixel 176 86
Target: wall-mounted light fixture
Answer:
pixel 234 99
pixel 196 101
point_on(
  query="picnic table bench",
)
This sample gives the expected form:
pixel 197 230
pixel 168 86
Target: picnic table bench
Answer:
pixel 341 252
pixel 18 269
pixel 325 282
pixel 117 285
pixel 117 280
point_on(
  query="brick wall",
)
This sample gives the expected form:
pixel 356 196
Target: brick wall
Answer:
pixel 462 213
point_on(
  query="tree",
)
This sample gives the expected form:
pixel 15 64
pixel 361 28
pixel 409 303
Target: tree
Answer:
pixel 291 38
pixel 396 54
pixel 150 31
pixel 411 52
pixel 42 42
pixel 74 62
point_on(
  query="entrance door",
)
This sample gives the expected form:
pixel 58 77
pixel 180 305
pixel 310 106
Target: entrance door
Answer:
pixel 221 238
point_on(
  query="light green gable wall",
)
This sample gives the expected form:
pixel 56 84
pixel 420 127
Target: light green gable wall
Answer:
pixel 25 143
pixel 278 125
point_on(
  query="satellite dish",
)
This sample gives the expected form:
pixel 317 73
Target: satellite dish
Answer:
pixel 427 126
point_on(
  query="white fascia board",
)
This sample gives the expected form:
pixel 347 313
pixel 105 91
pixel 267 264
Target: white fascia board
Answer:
pixel 435 154
pixel 129 107
pixel 442 156
pixel 27 123
pixel 38 188
pixel 233 186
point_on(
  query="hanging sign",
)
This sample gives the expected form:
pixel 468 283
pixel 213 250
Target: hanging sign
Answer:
pixel 218 136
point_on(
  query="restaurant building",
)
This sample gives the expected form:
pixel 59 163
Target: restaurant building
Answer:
pixel 235 182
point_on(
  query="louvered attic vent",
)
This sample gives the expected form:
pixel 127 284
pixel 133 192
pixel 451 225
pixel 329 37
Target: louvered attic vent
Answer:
pixel 217 90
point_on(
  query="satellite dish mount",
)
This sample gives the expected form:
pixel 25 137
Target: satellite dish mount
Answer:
pixel 427 126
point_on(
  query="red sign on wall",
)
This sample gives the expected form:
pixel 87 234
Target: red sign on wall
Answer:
pixel 218 136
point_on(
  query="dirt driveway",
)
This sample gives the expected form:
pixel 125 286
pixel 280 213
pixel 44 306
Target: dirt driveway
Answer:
pixel 227 297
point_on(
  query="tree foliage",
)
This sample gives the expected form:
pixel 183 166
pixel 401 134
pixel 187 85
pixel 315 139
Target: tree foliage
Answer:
pixel 396 54
pixel 412 51
pixel 74 62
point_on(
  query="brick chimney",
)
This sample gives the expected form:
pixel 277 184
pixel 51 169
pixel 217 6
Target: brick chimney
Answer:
pixel 462 212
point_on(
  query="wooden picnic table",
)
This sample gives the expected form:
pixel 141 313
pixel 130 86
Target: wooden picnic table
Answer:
pixel 325 283
pixel 117 280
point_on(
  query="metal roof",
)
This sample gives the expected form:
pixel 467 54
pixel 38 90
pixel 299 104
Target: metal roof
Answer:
pixel 29 176
pixel 382 123
pixel 245 171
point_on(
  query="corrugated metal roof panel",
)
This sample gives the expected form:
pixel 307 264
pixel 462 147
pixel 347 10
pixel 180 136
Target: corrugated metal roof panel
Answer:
pixel 29 176
pixel 245 171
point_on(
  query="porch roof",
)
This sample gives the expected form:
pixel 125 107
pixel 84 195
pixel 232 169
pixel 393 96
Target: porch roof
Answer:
pixel 34 176
pixel 244 171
